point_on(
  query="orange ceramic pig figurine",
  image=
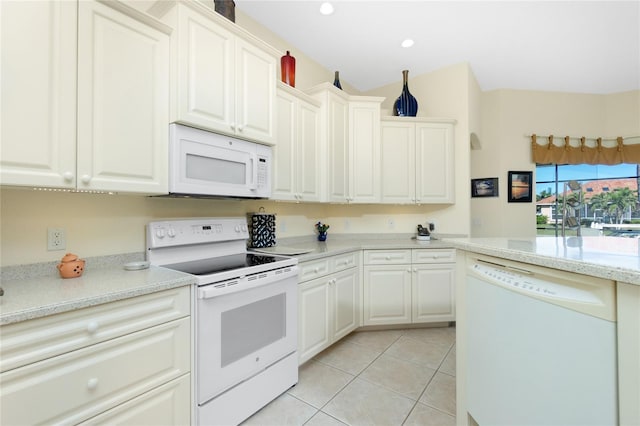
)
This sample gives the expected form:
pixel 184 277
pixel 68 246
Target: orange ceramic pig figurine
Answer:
pixel 71 266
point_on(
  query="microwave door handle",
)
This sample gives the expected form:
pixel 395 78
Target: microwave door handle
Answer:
pixel 254 172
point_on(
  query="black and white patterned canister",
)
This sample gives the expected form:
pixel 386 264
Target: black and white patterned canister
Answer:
pixel 262 227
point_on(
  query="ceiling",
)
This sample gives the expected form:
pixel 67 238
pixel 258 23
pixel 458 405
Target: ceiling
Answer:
pixel 566 46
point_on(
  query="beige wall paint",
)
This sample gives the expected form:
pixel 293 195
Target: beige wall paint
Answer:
pixel 308 72
pixel 508 116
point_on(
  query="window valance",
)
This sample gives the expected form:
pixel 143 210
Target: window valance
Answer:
pixel 582 150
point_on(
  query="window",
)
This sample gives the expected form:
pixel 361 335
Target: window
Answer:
pixel 588 200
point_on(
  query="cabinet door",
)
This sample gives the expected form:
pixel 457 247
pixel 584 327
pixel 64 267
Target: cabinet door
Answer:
pixel 338 147
pixel 313 318
pixel 255 93
pixel 123 102
pixel 433 293
pixel 38 93
pixel 346 302
pixel 387 294
pixel 284 165
pixel 398 159
pixel 364 152
pixel 309 153
pixel 434 163
pixel 205 77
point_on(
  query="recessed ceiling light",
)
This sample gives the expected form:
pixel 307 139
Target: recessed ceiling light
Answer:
pixel 407 43
pixel 326 8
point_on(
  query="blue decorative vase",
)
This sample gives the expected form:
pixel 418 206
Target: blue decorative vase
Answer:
pixel 406 105
pixel 336 81
pixel 322 236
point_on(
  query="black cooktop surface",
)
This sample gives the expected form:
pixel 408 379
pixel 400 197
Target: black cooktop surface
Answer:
pixel 222 263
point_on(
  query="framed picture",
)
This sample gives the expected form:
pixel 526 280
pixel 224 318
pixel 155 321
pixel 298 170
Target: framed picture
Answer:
pixel 520 189
pixel 485 187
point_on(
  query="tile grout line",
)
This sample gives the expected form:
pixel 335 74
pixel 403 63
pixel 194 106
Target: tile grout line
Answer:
pixel 416 402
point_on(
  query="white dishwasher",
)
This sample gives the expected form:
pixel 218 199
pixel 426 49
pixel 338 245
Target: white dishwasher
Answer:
pixel 541 346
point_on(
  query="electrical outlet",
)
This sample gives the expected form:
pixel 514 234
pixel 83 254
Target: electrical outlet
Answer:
pixel 283 226
pixel 56 239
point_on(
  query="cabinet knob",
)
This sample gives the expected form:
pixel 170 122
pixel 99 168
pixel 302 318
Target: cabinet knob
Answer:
pixel 92 327
pixel 86 179
pixel 67 176
pixel 92 383
pixel 316 270
pixel 388 257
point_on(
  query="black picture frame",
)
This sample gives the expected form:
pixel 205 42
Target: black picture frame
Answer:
pixel 520 188
pixel 484 187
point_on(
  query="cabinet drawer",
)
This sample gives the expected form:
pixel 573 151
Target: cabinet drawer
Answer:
pixel 387 257
pixel 78 385
pixel 313 269
pixel 34 340
pixel 434 256
pixel 167 405
pixel 344 261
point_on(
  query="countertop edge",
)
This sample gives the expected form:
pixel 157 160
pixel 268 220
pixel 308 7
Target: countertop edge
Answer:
pixel 613 273
pixel 138 288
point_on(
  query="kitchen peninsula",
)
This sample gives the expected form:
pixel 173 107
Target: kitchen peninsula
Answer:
pixel 614 259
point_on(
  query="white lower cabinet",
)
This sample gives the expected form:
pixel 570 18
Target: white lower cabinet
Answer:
pixel 168 404
pixel 408 286
pixel 120 379
pixel 387 294
pixel 328 306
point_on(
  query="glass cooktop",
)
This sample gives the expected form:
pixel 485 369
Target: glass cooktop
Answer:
pixel 223 263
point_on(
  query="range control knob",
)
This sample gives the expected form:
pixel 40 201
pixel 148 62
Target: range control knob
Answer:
pixel 160 233
pixel 171 232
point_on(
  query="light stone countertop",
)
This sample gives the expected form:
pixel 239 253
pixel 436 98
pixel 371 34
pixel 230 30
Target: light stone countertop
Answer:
pixel 613 258
pixel 31 297
pixel 344 243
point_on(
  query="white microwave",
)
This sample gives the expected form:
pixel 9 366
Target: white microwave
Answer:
pixel 206 164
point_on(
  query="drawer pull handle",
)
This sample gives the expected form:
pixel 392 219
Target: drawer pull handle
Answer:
pixel 92 383
pixel 92 327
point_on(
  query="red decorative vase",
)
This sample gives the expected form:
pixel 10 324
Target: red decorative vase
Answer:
pixel 288 69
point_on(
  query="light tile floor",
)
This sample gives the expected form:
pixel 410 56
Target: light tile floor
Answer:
pixel 386 378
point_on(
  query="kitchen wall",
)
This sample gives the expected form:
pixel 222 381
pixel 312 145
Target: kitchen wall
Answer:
pixel 99 225
pixel 508 116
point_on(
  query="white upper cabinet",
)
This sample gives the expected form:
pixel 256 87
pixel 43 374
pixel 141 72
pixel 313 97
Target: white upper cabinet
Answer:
pixel 417 161
pixel 225 79
pixel 298 155
pixel 107 65
pixel 351 130
pixel 123 101
pixel 38 45
pixel 364 149
pixel 334 125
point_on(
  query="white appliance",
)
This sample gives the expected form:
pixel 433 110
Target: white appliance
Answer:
pixel 245 314
pixel 541 346
pixel 206 164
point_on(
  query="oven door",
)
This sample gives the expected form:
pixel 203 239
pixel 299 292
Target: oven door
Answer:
pixel 240 334
pixel 209 164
